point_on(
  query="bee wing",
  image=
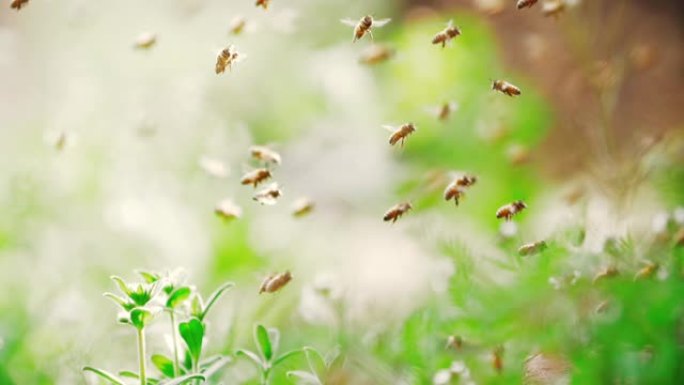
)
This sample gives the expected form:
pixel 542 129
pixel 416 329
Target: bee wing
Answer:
pixel 240 58
pixel 433 110
pixel 450 23
pixel 389 128
pixel 349 22
pixel 380 23
pixel 453 106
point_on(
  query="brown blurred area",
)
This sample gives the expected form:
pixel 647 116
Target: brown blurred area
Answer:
pixel 613 71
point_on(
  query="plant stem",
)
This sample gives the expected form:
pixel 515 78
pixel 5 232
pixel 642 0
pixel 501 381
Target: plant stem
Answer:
pixel 195 369
pixel 141 356
pixel 174 332
pixel 265 374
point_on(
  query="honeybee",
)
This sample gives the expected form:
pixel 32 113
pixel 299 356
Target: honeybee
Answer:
pixel 226 58
pixel 443 111
pixel 265 154
pixel 17 4
pixel 454 342
pixel 302 207
pixel 145 40
pixel 255 177
pixel 228 210
pixel 263 3
pixel 505 87
pixel 553 8
pixel 526 3
pixel 647 271
pixel 365 25
pixel 517 154
pixel 497 359
pixel 606 272
pixel 456 188
pixel 237 25
pixel 400 133
pixel 269 195
pixel 511 209
pixel 275 282
pixel 376 54
pixel 397 211
pixel 532 248
pixel 445 35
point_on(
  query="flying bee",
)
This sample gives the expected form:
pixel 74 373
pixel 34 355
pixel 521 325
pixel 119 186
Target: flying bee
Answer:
pixel 454 342
pixel 526 3
pixel 397 211
pixel 553 8
pixel 606 272
pixel 302 207
pixel 511 209
pixel 145 40
pixel 444 36
pixel 497 359
pixel 269 195
pixel 255 177
pixel 532 248
pixel 17 4
pixel 263 3
pixel 365 25
pixel 275 282
pixel 505 87
pixel 400 133
pixel 265 154
pixel 227 210
pixel 237 25
pixel 376 54
pixel 226 58
pixel 647 271
pixel 443 111
pixel 456 189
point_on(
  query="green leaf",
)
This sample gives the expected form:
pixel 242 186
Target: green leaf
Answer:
pixel 215 296
pixel 104 374
pixel 121 284
pixel 285 356
pixel 252 356
pixel 263 341
pixel 304 377
pixel 192 333
pixel 129 374
pixel 196 306
pixel 163 364
pixel 215 366
pixel 184 379
pixel 140 317
pixel 177 296
pixel 119 301
pixel 147 276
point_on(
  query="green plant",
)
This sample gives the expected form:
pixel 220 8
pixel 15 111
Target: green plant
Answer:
pixel 266 360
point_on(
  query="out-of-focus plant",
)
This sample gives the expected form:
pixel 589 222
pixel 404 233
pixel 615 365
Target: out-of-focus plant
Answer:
pixel 320 366
pixel 267 358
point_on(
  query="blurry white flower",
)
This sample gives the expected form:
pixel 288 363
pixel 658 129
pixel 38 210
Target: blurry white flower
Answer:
pixel 678 215
pixel 659 224
pixel 214 167
pixel 508 229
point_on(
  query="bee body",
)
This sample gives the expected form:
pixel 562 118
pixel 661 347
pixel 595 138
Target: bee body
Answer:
pixel 400 133
pixel 265 154
pixel 365 25
pixel 508 211
pixel 275 282
pixel 269 195
pixel 506 88
pixel 396 211
pixel 647 271
pixel 145 40
pixel 526 3
pixel 237 25
pixel 17 4
pixel 553 8
pixel 302 207
pixel 456 189
pixel 226 58
pixel 532 248
pixel 606 272
pixel 255 177
pixel 376 54
pixel 228 210
pixel 445 35
pixel 263 3
pixel 497 359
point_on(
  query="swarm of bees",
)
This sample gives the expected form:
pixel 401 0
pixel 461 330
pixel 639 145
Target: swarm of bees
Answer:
pixel 508 211
pixel 399 134
pixel 364 26
pixel 456 189
pixel 396 211
pixel 505 87
pixel 226 58
pixel 17 4
pixel 447 34
pixel 275 282
pixel 532 248
pixel 146 40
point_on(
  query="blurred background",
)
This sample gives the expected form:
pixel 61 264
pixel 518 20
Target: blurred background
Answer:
pixel 113 158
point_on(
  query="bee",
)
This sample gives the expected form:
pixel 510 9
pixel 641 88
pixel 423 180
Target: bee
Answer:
pixel 17 4
pixel 443 111
pixel 505 87
pixel 454 342
pixel 497 359
pixel 228 210
pixel 397 211
pixel 509 210
pixel 255 177
pixel 365 25
pixel 400 133
pixel 517 154
pixel 532 248
pixel 265 154
pixel 376 54
pixel 263 3
pixel 269 195
pixel 275 282
pixel 145 41
pixel 226 58
pixel 456 189
pixel 302 207
pixel 647 271
pixel 606 272
pixel 526 3
pixel 445 35
pixel 553 8
pixel 237 25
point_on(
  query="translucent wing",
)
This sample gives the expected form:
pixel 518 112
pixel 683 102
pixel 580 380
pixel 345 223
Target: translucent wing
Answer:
pixel 389 128
pixel 380 23
pixel 349 22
